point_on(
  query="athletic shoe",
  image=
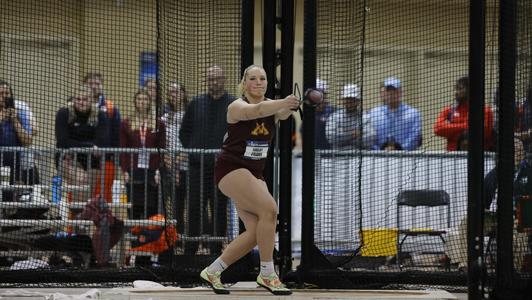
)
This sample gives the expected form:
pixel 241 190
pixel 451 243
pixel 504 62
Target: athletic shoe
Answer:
pixel 214 280
pixel 273 284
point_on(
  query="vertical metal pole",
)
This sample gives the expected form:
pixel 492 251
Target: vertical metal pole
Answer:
pixel 268 62
pixel 131 190
pixel 268 45
pixel 145 192
pixel 247 38
pixel 309 78
pixel 246 51
pixel 285 138
pixel 104 230
pixel 203 209
pixel 475 159
pixel 505 161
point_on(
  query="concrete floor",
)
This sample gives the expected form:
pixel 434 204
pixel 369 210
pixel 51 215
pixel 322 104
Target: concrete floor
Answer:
pixel 244 290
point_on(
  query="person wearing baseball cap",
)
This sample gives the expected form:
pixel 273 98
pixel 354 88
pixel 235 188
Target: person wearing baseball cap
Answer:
pixel 348 128
pixel 397 125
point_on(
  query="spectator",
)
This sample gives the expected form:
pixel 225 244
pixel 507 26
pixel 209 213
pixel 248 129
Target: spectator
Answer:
pixel 323 112
pixel 452 121
pixel 81 125
pixel 15 130
pixel 523 119
pixel 204 126
pixel 177 161
pixel 142 130
pixel 456 247
pixel 28 171
pixel 150 85
pixel 348 127
pixel 398 125
pixel 95 83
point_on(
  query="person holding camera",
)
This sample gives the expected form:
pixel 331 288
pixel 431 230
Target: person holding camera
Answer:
pixel 15 130
pixel 29 173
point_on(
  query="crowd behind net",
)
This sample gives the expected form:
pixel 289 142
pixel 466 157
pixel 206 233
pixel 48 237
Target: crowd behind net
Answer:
pixel 393 85
pixel 99 180
pixel 396 78
pixel 109 143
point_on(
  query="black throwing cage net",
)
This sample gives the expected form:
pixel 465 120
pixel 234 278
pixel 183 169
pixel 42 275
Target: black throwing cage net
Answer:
pixel 109 134
pixel 388 80
pixel 508 252
pixel 199 51
pixel 111 114
pixel 391 160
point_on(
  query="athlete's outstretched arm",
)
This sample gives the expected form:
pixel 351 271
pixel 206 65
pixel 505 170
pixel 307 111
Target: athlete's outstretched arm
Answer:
pixel 239 110
pixel 283 114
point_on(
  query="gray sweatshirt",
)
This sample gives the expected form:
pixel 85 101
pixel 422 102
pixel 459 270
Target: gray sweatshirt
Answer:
pixel 340 126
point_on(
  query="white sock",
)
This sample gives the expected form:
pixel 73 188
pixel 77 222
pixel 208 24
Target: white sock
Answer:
pixel 266 268
pixel 217 266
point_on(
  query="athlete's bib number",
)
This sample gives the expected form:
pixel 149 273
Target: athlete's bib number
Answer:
pixel 256 150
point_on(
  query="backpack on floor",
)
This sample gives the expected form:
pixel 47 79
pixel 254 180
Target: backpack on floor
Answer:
pixel 154 238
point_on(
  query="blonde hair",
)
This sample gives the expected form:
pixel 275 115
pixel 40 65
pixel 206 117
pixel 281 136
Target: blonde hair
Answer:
pixel 242 84
pixel 135 119
pixel 93 108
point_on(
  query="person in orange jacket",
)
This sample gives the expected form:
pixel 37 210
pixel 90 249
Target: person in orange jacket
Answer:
pixel 452 122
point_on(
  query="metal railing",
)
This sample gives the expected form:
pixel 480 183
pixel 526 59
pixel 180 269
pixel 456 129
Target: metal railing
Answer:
pixel 342 196
pixel 84 179
pixel 384 174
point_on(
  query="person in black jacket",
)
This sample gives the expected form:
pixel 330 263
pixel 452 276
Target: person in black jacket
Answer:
pixel 204 126
pixel 95 82
pixel 81 125
pixel 490 180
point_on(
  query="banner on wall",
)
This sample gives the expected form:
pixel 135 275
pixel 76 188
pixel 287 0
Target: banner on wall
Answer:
pixel 148 66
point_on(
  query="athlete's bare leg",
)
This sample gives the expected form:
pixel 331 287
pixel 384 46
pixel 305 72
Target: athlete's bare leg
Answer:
pixel 243 243
pixel 252 197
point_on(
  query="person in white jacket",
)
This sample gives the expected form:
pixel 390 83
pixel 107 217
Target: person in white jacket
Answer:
pixel 348 127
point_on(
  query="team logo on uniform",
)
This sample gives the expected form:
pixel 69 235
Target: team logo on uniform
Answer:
pixel 260 129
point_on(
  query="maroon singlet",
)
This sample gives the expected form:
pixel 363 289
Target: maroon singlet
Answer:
pixel 245 145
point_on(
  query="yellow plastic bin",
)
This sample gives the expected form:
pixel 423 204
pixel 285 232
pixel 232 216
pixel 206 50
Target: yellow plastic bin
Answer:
pixel 379 242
